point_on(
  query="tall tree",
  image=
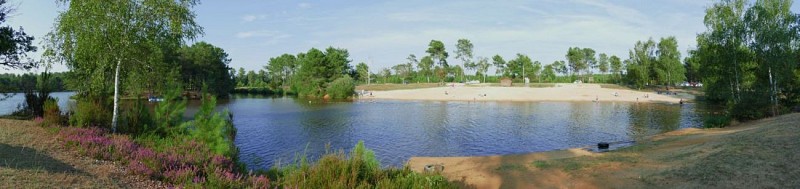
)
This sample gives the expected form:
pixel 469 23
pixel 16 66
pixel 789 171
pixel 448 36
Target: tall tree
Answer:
pixel 575 60
pixel 483 67
pixel 281 69
pixel 560 67
pixel 616 66
pixel 362 71
pixel 437 51
pixel 464 53
pixel 426 67
pixel 548 73
pixel 602 63
pixel 536 71
pixel 98 38
pixel 520 66
pixel 774 28
pixel 669 70
pixel 589 60
pixel 723 51
pixel 500 65
pixel 203 64
pixel 692 65
pixel 641 61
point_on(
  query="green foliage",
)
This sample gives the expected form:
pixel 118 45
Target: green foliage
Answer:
pixel 281 70
pixel 716 121
pixel 515 66
pixel 747 59
pixel 359 170
pixel 318 69
pixel 668 68
pixel 341 88
pixel 137 119
pixel 14 45
pixel 52 114
pixel 212 128
pixel 362 71
pixel 168 114
pixel 91 111
pixel 93 37
pixel 203 64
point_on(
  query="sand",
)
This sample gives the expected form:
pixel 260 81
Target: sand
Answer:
pixel 758 153
pixel 562 92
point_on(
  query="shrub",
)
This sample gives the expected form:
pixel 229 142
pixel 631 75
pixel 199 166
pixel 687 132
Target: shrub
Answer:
pixel 180 162
pixel 212 128
pixel 136 119
pixel 341 88
pixel 168 114
pixel 91 112
pixel 716 121
pixel 52 114
pixel 359 170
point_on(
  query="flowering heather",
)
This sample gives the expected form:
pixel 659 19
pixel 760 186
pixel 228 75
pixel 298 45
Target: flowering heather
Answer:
pixel 183 163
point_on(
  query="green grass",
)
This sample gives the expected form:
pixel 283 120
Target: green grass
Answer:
pixel 542 164
pixel 359 169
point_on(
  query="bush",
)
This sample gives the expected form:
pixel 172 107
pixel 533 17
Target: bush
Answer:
pixel 178 161
pixel 136 119
pixel 212 128
pixel 91 112
pixel 341 88
pixel 359 170
pixel 716 121
pixel 52 114
pixel 168 114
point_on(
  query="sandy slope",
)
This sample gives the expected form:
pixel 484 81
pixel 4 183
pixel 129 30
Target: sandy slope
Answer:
pixel 562 92
pixel 757 154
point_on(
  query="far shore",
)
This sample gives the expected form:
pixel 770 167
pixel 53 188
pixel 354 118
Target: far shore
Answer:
pixel 561 92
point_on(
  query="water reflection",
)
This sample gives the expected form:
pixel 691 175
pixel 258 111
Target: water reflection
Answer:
pixel 273 128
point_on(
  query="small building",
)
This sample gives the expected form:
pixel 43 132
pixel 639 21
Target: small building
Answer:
pixel 505 82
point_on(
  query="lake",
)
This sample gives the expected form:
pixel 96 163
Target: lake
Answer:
pixel 10 105
pixel 272 130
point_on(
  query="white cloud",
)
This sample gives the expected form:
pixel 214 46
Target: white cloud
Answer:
pixel 304 5
pixel 250 18
pixel 271 35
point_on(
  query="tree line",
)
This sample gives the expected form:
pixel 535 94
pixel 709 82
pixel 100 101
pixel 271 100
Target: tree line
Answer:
pixel 314 73
pixel 650 63
pixel 748 57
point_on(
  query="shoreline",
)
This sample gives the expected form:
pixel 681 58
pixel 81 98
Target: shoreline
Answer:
pixel 672 160
pixel 559 93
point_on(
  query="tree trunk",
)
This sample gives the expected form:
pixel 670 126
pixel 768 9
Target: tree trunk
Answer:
pixel 773 93
pixel 116 99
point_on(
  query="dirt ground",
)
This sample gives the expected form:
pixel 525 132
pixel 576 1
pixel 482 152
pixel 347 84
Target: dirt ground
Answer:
pixel 758 154
pixel 560 92
pixel 31 157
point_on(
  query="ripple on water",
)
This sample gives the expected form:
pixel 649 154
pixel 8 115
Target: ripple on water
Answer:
pixel 272 129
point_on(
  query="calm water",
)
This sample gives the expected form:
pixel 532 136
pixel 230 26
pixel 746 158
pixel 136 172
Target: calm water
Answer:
pixel 277 129
pixel 271 129
pixel 9 105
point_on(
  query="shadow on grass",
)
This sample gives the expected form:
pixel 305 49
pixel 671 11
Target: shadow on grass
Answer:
pixel 17 157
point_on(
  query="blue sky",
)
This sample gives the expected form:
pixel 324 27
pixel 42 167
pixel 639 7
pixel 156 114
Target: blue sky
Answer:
pixel 384 33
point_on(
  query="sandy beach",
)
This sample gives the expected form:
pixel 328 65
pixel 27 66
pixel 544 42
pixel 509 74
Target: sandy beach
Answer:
pixel 561 92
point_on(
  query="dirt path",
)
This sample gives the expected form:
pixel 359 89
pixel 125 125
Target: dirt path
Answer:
pixel 31 157
pixel 758 154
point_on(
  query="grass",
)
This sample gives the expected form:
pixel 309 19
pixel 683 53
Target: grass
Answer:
pixel 358 169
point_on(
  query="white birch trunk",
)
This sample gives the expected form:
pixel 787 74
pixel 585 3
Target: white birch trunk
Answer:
pixel 116 98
